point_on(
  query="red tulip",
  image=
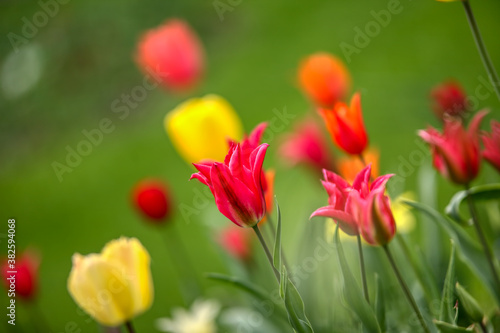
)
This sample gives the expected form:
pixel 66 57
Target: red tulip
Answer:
pixel 345 124
pixel 152 199
pixel 307 145
pixel 359 208
pixel 324 78
pixel 26 276
pixel 173 53
pixel 491 142
pixel 449 99
pixel 237 184
pixel 456 151
pixel 236 241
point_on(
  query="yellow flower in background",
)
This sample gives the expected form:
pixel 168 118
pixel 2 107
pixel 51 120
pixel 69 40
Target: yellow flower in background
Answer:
pixel 405 221
pixel 115 285
pixel 200 128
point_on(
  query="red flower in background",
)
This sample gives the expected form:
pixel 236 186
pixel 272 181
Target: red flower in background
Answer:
pixel 236 241
pixel 345 124
pixel 173 53
pixel 324 79
pixel 491 142
pixel 449 98
pixel 152 199
pixel 456 152
pixel 307 145
pixel 26 276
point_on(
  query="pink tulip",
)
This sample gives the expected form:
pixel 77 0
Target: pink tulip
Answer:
pixel 173 54
pixel 491 142
pixel 307 145
pixel 456 151
pixel 449 99
pixel 237 184
pixel 236 241
pixel 359 208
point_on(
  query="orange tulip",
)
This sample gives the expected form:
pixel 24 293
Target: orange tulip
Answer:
pixel 345 124
pixel 350 166
pixel 324 79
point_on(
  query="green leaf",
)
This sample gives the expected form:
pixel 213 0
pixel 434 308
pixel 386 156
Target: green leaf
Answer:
pixel 353 294
pixel 449 328
pixel 469 250
pixel 294 305
pixel 238 283
pixel 277 241
pixel 482 192
pixel 380 303
pixel 447 301
pixel 470 305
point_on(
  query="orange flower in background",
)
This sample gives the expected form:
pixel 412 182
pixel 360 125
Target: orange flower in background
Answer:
pixel 449 98
pixel 350 166
pixel 152 199
pixel 324 79
pixel 346 127
pixel 268 193
pixel 173 54
pixel 26 276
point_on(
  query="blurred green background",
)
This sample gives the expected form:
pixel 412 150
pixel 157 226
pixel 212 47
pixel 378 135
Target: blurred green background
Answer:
pixel 64 79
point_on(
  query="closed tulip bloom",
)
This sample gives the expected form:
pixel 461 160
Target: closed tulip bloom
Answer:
pixel 346 127
pixel 237 184
pixel 26 275
pixel 152 199
pixel 491 142
pixel 307 145
pixel 456 152
pixel 377 225
pixel 200 128
pixel 324 79
pixel 115 285
pixel 449 98
pixel 173 54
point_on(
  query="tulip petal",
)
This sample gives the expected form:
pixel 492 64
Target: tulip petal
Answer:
pixel 362 181
pixel 380 181
pixel 345 220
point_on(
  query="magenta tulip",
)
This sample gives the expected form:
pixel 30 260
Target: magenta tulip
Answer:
pixel 491 142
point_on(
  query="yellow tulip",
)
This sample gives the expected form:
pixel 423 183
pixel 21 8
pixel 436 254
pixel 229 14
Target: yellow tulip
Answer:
pixel 200 128
pixel 115 285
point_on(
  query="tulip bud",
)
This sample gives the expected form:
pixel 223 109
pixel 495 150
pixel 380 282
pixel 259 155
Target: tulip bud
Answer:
pixel 449 99
pixel 200 128
pixel 152 199
pixel 115 285
pixel 26 275
pixel 324 79
pixel 491 141
pixel 378 226
pixel 345 124
pixel 470 305
pixel 173 54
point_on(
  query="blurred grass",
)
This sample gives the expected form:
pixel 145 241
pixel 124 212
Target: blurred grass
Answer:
pixel 252 57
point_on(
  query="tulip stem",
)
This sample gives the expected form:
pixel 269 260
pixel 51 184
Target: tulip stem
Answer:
pixel 266 250
pixel 273 228
pixel 483 327
pixel 483 52
pixel 480 234
pixel 406 290
pixel 129 327
pixel 363 271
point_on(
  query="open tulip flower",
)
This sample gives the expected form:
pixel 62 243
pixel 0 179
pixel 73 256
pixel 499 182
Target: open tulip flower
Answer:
pixel 491 142
pixel 456 152
pixel 237 184
pixel 324 79
pixel 345 124
pixel 360 208
pixel 173 54
pixel 115 285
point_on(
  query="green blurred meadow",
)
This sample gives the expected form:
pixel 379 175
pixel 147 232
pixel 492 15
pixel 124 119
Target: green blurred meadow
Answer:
pixel 85 55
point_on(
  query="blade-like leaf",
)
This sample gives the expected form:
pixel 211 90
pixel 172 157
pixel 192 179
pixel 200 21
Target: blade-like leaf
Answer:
pixel 447 300
pixel 380 303
pixel 245 286
pixel 294 305
pixel 277 241
pixel 469 304
pixel 449 328
pixel 469 250
pixel 482 192
pixel 353 294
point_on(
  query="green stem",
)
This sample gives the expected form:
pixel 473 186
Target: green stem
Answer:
pixel 406 290
pixel 481 236
pixel 485 57
pixel 266 250
pixel 363 272
pixel 129 327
